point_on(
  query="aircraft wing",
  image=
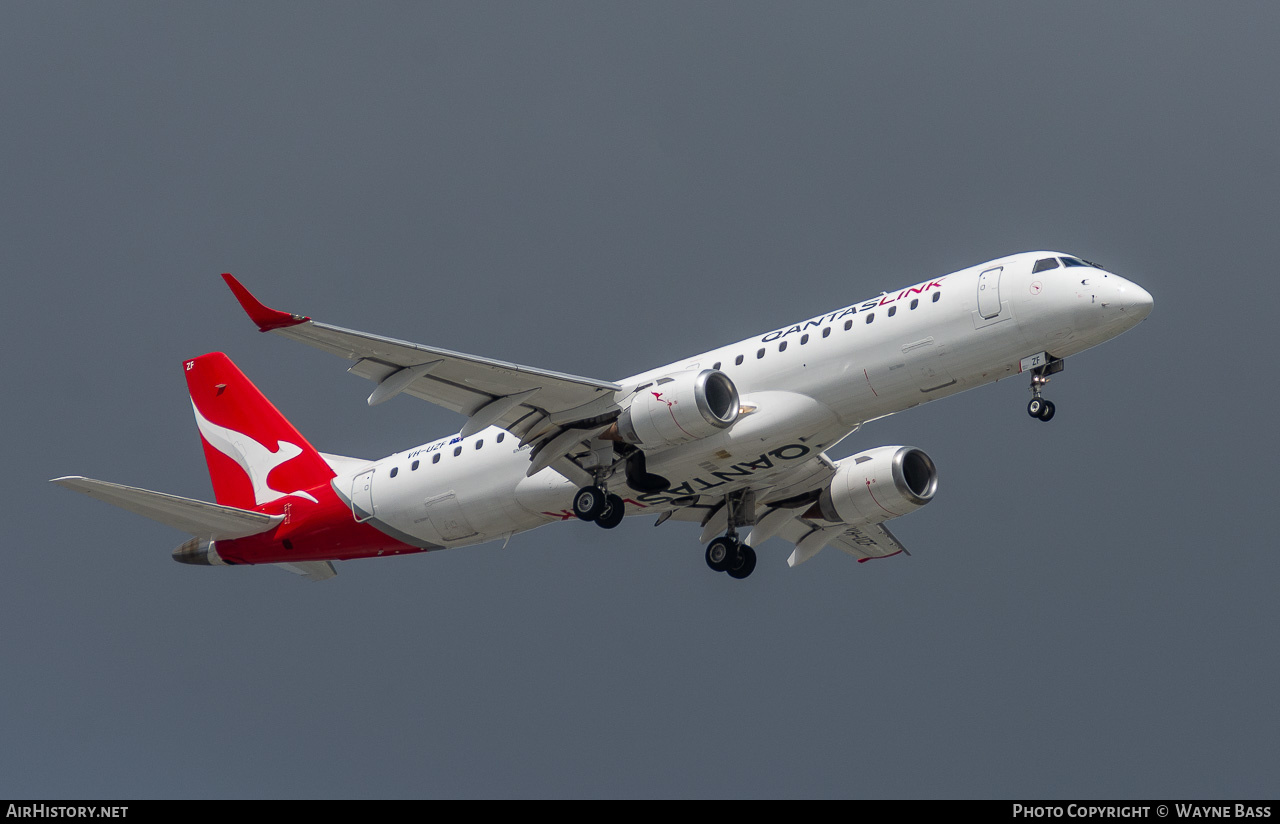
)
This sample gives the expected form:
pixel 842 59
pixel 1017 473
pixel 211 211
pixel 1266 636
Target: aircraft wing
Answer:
pixel 525 401
pixel 861 542
pixel 781 513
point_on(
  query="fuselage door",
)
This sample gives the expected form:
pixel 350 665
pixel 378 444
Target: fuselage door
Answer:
pixel 362 496
pixel 989 292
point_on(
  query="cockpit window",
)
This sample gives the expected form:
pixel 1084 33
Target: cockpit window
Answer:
pixel 1066 261
pixel 1044 264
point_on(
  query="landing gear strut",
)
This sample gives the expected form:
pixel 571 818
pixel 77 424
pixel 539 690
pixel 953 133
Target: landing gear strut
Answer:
pixel 727 553
pixel 1038 407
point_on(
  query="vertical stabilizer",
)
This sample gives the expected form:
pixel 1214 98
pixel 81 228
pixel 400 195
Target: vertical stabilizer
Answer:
pixel 255 456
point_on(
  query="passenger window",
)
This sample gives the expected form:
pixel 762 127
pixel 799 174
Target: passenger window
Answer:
pixel 848 325
pixel 804 339
pixel 936 295
pixel 435 458
pixel 1044 265
pixel 782 347
pixel 395 470
pixel 479 443
pixel 457 450
pixel 871 317
pixel 760 354
pixel 915 302
pixel 893 310
pixel 737 361
pixel 715 365
pixel 501 435
pixel 413 466
pixel 826 332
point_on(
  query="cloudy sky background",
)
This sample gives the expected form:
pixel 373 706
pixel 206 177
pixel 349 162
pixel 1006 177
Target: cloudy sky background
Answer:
pixel 598 188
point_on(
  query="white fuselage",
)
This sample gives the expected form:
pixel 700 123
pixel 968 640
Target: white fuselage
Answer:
pixel 805 387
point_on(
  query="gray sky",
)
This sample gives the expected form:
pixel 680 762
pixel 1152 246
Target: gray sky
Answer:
pixel 599 188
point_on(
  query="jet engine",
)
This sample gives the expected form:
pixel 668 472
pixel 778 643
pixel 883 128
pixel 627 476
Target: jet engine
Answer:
pixel 878 485
pixel 680 408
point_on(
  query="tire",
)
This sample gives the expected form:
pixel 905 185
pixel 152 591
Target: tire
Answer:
pixel 589 503
pixel 721 553
pixel 1046 414
pixel 745 565
pixel 1035 408
pixel 613 514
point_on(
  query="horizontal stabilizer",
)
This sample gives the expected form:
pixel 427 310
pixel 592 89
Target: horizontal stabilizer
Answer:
pixel 197 518
pixel 311 570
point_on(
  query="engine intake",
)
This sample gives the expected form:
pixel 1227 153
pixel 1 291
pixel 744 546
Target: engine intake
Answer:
pixel 680 408
pixel 878 485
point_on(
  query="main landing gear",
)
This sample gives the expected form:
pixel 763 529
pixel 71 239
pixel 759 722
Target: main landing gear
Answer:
pixel 727 553
pixel 595 504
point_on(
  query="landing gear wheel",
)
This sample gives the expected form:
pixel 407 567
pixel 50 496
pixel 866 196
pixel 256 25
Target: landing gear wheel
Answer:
pixel 744 564
pixel 1035 408
pixel 590 503
pixel 1046 414
pixel 613 514
pixel 721 553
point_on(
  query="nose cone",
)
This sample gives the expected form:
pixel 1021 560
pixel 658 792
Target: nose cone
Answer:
pixel 1136 302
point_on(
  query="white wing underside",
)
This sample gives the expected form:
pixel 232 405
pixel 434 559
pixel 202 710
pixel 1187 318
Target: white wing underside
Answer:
pixel 807 536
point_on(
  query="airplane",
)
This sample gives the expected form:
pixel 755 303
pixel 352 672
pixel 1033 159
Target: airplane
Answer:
pixel 733 439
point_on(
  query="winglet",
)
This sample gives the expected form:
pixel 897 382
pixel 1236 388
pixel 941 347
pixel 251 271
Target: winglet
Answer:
pixel 266 317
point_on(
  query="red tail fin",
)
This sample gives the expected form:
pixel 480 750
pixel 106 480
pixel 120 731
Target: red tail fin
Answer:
pixel 255 455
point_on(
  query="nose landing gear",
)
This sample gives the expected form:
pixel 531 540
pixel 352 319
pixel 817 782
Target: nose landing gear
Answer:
pixel 1038 407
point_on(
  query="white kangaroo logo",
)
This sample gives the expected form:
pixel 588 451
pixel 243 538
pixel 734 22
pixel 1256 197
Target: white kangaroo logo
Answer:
pixel 256 460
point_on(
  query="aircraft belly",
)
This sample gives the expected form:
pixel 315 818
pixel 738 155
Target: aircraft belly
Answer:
pixel 544 495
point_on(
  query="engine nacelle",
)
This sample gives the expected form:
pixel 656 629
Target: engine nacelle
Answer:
pixel 879 484
pixel 680 408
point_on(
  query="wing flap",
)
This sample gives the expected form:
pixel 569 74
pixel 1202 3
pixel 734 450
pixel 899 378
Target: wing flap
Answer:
pixel 198 518
pixel 867 542
pixel 861 542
